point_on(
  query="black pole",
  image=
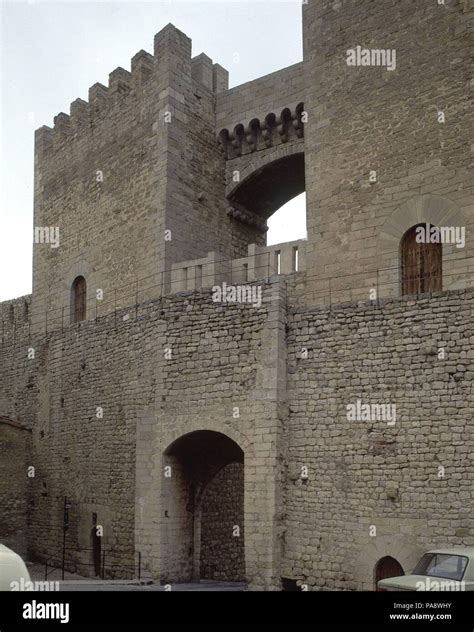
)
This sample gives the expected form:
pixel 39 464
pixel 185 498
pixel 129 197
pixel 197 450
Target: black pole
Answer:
pixel 64 550
pixel 65 528
pixel 139 565
pixel 103 564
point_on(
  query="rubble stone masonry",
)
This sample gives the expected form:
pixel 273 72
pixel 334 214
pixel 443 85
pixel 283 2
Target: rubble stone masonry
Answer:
pixel 169 418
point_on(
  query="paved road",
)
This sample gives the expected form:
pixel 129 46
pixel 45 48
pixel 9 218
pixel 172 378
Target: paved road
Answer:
pixel 74 582
pixel 123 586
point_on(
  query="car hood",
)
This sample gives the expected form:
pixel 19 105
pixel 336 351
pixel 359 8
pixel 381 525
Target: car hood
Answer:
pixel 409 582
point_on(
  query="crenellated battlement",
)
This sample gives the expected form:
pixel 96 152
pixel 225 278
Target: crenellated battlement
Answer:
pixel 79 111
pixel 142 68
pixel 107 171
pixel 171 61
pixel 120 81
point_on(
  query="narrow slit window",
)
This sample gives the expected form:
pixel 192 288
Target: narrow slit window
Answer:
pixel 295 259
pixel 198 277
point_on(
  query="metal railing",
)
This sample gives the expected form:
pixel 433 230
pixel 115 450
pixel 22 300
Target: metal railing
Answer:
pixel 366 285
pixel 106 568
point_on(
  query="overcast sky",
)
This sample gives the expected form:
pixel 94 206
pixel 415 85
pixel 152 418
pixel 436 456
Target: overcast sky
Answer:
pixel 51 52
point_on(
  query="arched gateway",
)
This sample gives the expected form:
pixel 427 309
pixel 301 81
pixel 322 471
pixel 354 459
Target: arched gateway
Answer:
pixel 202 521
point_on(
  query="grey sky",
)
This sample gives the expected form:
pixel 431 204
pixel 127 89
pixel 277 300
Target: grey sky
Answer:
pixel 52 52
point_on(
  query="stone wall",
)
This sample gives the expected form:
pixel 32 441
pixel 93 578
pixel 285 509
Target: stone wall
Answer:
pixel 223 376
pixel 18 387
pixel 14 485
pixel 368 118
pixel 276 381
pixel 222 509
pixel 363 473
pixel 55 384
pixel 194 167
pixel 108 387
pixel 108 399
pixel 134 181
pixel 17 415
pixel 93 180
pixel 255 99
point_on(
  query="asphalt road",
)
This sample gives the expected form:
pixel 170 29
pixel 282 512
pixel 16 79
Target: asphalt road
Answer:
pixel 123 586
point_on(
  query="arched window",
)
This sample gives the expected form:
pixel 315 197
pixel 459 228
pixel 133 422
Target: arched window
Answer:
pixel 78 299
pixel 421 262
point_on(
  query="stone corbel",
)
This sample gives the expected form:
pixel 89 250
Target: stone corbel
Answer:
pixel 298 125
pixel 251 138
pixel 282 127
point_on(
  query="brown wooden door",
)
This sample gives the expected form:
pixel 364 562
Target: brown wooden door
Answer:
pixel 387 567
pixel 421 265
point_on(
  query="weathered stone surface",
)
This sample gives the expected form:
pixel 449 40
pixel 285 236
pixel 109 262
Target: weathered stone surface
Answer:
pixel 247 404
pixel 15 481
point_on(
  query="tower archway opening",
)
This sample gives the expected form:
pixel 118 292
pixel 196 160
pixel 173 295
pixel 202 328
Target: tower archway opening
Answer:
pixel 275 193
pixel 288 223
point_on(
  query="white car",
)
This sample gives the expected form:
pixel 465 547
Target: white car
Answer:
pixel 12 569
pixel 443 569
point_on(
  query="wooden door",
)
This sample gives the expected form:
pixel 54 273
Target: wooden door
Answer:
pixel 421 264
pixel 387 567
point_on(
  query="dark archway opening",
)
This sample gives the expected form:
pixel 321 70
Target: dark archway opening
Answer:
pixel 288 223
pixel 272 186
pixel 203 509
pixel 387 567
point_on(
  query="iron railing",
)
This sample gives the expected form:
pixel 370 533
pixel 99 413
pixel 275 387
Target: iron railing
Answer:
pixel 106 567
pixel 366 285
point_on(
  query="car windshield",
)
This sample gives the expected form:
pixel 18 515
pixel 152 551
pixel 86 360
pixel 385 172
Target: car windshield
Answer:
pixel 442 565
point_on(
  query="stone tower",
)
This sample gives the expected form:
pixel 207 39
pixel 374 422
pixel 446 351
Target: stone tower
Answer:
pixel 133 180
pixel 175 419
pixel 386 147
